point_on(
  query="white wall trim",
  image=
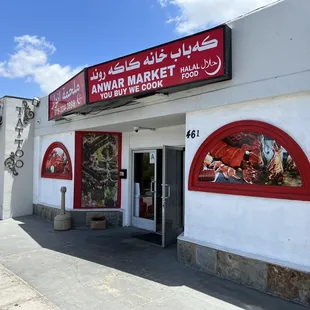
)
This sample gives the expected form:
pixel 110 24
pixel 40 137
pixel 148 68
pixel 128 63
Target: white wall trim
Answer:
pixel 49 205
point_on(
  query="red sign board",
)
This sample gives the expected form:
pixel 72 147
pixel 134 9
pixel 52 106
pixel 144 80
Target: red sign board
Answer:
pixel 68 97
pixel 200 57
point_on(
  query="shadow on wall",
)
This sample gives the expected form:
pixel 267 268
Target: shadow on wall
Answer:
pixel 18 189
pixel 117 248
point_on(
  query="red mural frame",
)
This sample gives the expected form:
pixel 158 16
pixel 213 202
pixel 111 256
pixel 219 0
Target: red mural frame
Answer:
pixel 301 161
pixel 78 169
pixel 60 176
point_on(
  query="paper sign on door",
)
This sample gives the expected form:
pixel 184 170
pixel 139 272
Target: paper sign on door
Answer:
pixel 152 157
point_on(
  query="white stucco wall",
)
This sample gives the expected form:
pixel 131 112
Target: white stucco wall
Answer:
pixel 270 229
pixel 47 191
pixel 173 136
pixel 17 190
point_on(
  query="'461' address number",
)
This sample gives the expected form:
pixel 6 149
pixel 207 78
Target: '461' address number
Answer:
pixel 192 134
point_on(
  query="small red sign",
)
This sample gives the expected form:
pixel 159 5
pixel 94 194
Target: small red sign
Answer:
pixel 199 57
pixel 68 97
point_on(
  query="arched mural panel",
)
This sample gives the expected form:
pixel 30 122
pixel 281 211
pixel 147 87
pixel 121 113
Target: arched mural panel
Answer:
pixel 251 158
pixel 56 163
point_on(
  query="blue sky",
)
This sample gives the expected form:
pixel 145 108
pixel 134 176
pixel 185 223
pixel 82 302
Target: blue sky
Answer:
pixel 79 33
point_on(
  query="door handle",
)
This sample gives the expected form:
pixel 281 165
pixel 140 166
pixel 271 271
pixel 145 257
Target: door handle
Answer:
pixel 152 186
pixel 166 186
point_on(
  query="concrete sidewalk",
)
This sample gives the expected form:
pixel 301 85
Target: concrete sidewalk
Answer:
pixel 83 269
pixel 16 294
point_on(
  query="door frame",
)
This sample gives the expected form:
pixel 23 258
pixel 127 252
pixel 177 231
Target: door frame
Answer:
pixel 136 221
pixel 164 185
pixel 131 180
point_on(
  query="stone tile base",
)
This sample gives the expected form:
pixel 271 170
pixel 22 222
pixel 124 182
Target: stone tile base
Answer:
pixel 45 213
pixel 79 218
pixel 282 282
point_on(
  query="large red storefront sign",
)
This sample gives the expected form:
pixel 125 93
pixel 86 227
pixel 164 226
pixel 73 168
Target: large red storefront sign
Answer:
pixel 68 97
pixel 205 56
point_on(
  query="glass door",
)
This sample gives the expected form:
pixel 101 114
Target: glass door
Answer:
pixel 144 189
pixel 172 194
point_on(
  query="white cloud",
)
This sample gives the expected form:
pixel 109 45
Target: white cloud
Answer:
pixel 30 61
pixel 25 40
pixel 195 15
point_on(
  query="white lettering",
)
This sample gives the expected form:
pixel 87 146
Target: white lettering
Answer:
pixel 107 85
pixel 190 68
pixel 100 88
pixel 140 78
pixel 94 89
pixel 120 92
pixel 155 75
pixel 121 83
pixel 163 72
pixel 171 68
pixel 106 95
pixel 152 85
pixel 149 76
pixel 189 75
pixel 69 106
pixel 131 80
pixel 134 89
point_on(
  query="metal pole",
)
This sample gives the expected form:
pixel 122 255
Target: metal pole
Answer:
pixel 63 190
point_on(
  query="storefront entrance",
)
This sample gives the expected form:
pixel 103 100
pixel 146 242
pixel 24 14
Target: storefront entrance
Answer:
pixel 158 187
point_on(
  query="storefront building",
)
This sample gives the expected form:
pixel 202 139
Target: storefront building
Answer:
pixel 202 141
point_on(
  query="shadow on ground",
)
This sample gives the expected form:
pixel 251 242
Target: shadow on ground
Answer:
pixel 118 250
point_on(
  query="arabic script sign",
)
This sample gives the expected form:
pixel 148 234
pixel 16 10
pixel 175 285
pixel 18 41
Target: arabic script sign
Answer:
pixel 203 56
pixel 68 97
